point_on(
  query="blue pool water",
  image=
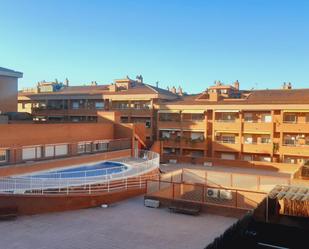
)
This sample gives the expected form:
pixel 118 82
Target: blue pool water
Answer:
pixel 98 169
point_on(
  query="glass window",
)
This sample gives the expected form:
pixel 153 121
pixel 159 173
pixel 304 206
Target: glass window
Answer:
pixel 228 139
pixel 3 156
pixel 99 105
pixel 31 153
pixel 265 140
pixel 148 123
pixel 248 117
pixel 266 118
pixel 75 105
pixel 61 150
pixel 248 139
pixel 290 118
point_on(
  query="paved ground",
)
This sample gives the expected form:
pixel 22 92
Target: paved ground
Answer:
pixel 127 225
pixel 251 171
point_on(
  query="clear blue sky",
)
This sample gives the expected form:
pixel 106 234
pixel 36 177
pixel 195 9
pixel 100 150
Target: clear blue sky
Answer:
pixel 261 43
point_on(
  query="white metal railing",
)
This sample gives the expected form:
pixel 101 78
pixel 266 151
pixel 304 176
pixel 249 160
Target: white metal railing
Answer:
pixel 135 169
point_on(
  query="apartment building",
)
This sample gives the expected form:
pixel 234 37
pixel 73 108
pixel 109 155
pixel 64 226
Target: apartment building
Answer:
pixel 221 122
pixel 8 89
pixel 228 123
pixel 59 102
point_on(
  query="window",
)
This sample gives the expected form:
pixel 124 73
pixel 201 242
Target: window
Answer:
pixel 165 134
pixel 307 118
pixel 99 105
pixel 290 140
pixel 197 117
pixel 56 150
pixel 248 158
pixel 197 136
pixel 248 117
pixel 75 105
pixel 265 140
pixel 228 139
pixel 100 146
pixel 266 118
pixel 228 156
pixel 31 153
pixel 148 123
pixel 3 156
pixel 265 159
pixel 248 139
pixel 83 147
pixel 228 117
pixel 290 118
pixel 61 150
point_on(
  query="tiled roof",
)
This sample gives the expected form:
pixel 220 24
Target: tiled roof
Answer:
pixel 279 96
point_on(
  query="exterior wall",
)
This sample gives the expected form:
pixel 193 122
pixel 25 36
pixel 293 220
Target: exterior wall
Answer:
pixel 215 127
pixel 13 135
pixel 8 94
pixel 28 205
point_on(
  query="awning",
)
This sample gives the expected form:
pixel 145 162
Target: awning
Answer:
pixel 194 111
pixel 169 111
pixel 299 110
pixel 257 132
pixel 192 130
pixel 169 129
pixel 226 110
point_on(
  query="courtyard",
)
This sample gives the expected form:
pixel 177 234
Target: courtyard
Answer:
pixel 124 225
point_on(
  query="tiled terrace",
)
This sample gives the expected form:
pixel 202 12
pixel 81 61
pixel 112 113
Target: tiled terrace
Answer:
pixel 127 225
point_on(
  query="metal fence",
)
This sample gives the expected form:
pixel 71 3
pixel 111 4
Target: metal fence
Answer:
pixel 135 171
pixel 226 179
pixel 204 194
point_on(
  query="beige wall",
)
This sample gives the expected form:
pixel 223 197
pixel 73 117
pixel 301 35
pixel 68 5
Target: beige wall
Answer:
pixel 8 94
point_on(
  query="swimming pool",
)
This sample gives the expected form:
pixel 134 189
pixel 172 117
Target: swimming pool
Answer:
pixel 92 170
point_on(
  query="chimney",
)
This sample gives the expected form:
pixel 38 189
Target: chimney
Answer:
pixel 180 92
pixel 157 84
pixel 168 88
pixel 289 86
pixel 173 90
pixel 66 82
pixel 139 78
pixel 236 84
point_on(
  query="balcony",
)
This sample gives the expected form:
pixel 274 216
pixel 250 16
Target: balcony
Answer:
pixel 230 147
pixel 171 143
pixel 194 125
pixel 64 112
pixel 141 112
pixel 292 127
pixel 258 127
pixel 191 144
pixel 295 150
pixel 227 125
pixel 171 124
pixel 266 148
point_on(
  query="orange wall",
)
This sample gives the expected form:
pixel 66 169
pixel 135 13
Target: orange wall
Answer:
pixel 34 134
pixel 8 94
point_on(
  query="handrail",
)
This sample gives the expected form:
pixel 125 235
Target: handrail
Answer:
pixel 141 163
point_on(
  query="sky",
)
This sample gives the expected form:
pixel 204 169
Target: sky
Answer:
pixel 261 43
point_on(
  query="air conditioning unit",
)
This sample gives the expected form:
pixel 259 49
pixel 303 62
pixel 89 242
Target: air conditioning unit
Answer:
pixel 208 164
pixel 172 161
pixel 212 192
pixel 226 194
pixel 151 203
